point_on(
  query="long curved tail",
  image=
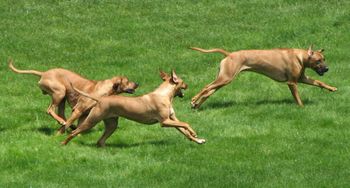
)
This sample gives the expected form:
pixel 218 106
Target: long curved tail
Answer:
pixel 85 94
pixel 226 53
pixel 37 73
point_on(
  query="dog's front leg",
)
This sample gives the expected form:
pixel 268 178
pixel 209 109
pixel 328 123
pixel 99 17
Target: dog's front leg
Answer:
pixel 184 128
pixel 76 113
pixel 294 90
pixel 309 81
pixel 189 136
pixel 178 124
pixel 57 102
pixel 61 108
pixel 87 124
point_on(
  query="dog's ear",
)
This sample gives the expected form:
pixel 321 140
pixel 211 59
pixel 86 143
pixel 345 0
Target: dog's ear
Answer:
pixel 163 75
pixel 116 86
pixel 117 83
pixel 174 77
pixel 309 51
pixel 321 51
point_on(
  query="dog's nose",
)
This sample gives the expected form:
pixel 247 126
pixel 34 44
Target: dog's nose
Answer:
pixel 325 69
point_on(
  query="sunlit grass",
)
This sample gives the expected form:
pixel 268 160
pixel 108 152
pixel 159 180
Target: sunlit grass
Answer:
pixel 256 135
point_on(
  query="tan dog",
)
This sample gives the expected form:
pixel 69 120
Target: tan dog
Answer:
pixel 283 65
pixel 82 107
pixel 147 109
pixel 58 84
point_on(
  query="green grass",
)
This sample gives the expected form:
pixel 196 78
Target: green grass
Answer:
pixel 256 135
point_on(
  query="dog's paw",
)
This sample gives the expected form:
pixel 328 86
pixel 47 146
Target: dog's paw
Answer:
pixel 193 104
pixel 62 123
pixel 200 141
pixel 332 89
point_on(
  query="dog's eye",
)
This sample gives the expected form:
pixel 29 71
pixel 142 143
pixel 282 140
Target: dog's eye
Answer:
pixel 318 62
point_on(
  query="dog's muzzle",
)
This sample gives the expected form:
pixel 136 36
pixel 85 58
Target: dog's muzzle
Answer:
pixel 180 94
pixel 321 71
pixel 132 90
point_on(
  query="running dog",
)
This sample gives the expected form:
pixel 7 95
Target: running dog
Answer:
pixel 147 109
pixel 283 65
pixel 58 84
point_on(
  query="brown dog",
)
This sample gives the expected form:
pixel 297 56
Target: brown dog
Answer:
pixel 283 65
pixel 147 109
pixel 58 84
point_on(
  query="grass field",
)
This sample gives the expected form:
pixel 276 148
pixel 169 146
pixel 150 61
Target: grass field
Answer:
pixel 256 135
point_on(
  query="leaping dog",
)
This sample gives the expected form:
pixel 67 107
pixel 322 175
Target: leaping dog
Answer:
pixel 282 65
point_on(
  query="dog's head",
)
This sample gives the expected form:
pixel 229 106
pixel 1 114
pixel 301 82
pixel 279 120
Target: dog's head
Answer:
pixel 177 81
pixel 316 61
pixel 121 84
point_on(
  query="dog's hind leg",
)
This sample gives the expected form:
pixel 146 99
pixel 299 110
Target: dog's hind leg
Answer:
pixel 110 126
pixel 227 73
pixel 91 120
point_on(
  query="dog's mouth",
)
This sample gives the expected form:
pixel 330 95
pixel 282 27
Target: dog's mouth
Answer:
pixel 320 71
pixel 180 94
pixel 130 91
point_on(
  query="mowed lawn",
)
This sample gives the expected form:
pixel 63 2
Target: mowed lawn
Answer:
pixel 256 135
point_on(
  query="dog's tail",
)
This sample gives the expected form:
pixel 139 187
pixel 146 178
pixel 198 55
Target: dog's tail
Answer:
pixel 226 53
pixel 97 99
pixel 10 62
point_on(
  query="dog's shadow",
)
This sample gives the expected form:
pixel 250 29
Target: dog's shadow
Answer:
pixel 122 145
pixel 51 131
pixel 282 102
pixel 229 104
pixel 47 131
pixel 219 104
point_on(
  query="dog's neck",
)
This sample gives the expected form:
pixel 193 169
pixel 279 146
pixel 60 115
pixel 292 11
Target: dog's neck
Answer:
pixel 166 89
pixel 104 89
pixel 303 57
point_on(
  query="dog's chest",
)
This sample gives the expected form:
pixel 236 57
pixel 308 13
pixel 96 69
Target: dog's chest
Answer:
pixel 171 111
pixel 72 98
